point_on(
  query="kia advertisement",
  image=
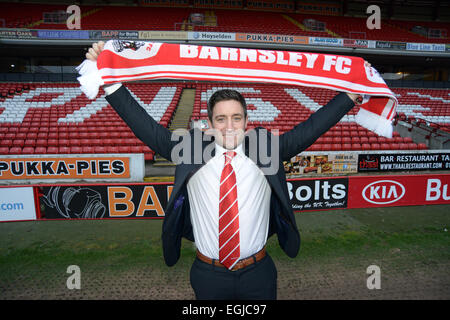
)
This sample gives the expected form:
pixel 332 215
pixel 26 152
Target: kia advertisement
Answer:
pixel 396 190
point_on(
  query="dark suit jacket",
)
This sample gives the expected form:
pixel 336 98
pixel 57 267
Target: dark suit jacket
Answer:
pixel 177 222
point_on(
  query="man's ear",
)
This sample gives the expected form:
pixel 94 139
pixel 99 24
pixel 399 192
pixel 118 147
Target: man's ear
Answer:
pixel 209 123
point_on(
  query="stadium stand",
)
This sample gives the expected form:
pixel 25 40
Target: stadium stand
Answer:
pixel 42 118
pixel 356 28
pixel 219 20
pixel 51 118
pixel 425 105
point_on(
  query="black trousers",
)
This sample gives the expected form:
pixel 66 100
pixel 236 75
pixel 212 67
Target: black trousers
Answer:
pixel 257 281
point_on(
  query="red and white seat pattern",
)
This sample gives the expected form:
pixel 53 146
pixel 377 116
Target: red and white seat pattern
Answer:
pixel 428 105
pixel 58 118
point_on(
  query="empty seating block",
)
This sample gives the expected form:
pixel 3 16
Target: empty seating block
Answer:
pixel 219 20
pixel 57 118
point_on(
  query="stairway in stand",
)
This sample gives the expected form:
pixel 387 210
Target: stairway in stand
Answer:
pixel 180 120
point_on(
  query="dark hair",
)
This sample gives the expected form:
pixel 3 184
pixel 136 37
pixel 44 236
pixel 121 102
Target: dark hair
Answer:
pixel 225 95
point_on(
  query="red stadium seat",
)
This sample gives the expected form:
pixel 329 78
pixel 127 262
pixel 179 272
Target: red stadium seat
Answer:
pixel 412 146
pixel 422 146
pixel 18 143
pixel 41 143
pixel 40 150
pixel 64 142
pixel 52 150
pixel 385 146
pixel 64 150
pixel 100 149
pixel 6 143
pixel 136 149
pixel 15 150
pixel 315 147
pixel 112 149
pixel 74 142
pixel 347 146
pixel 124 149
pixel 88 149
pixel 336 147
pixel 28 150
pixel 30 143
pixel 76 150
pixel 395 146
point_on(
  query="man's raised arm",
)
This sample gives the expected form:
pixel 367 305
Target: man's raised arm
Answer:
pixel 154 135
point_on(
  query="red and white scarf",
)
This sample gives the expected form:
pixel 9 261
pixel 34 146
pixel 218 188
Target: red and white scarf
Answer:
pixel 122 61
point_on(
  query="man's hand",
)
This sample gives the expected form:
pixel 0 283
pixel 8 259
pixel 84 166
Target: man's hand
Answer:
pixel 95 50
pixel 357 99
pixel 92 55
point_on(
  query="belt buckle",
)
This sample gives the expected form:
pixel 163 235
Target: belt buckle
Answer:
pixel 237 266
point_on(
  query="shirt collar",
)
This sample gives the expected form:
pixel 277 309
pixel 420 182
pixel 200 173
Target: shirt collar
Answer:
pixel 239 150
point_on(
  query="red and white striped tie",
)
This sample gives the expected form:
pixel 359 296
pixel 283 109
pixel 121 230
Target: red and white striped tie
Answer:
pixel 229 249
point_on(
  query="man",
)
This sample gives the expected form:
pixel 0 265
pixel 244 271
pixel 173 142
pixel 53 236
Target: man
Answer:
pixel 229 204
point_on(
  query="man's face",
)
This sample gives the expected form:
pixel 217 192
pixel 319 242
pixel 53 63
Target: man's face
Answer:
pixel 229 123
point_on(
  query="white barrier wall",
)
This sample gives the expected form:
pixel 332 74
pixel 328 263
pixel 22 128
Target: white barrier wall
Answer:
pixel 17 203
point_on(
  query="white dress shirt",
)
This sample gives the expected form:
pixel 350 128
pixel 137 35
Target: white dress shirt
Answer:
pixel 253 192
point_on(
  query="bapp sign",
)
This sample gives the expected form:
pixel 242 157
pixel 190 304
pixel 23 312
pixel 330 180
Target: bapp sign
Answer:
pixel 381 191
pixel 105 201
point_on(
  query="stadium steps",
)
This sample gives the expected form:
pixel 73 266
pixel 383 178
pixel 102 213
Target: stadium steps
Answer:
pixel 180 120
pixel 298 24
pixel 333 34
pixel 210 19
